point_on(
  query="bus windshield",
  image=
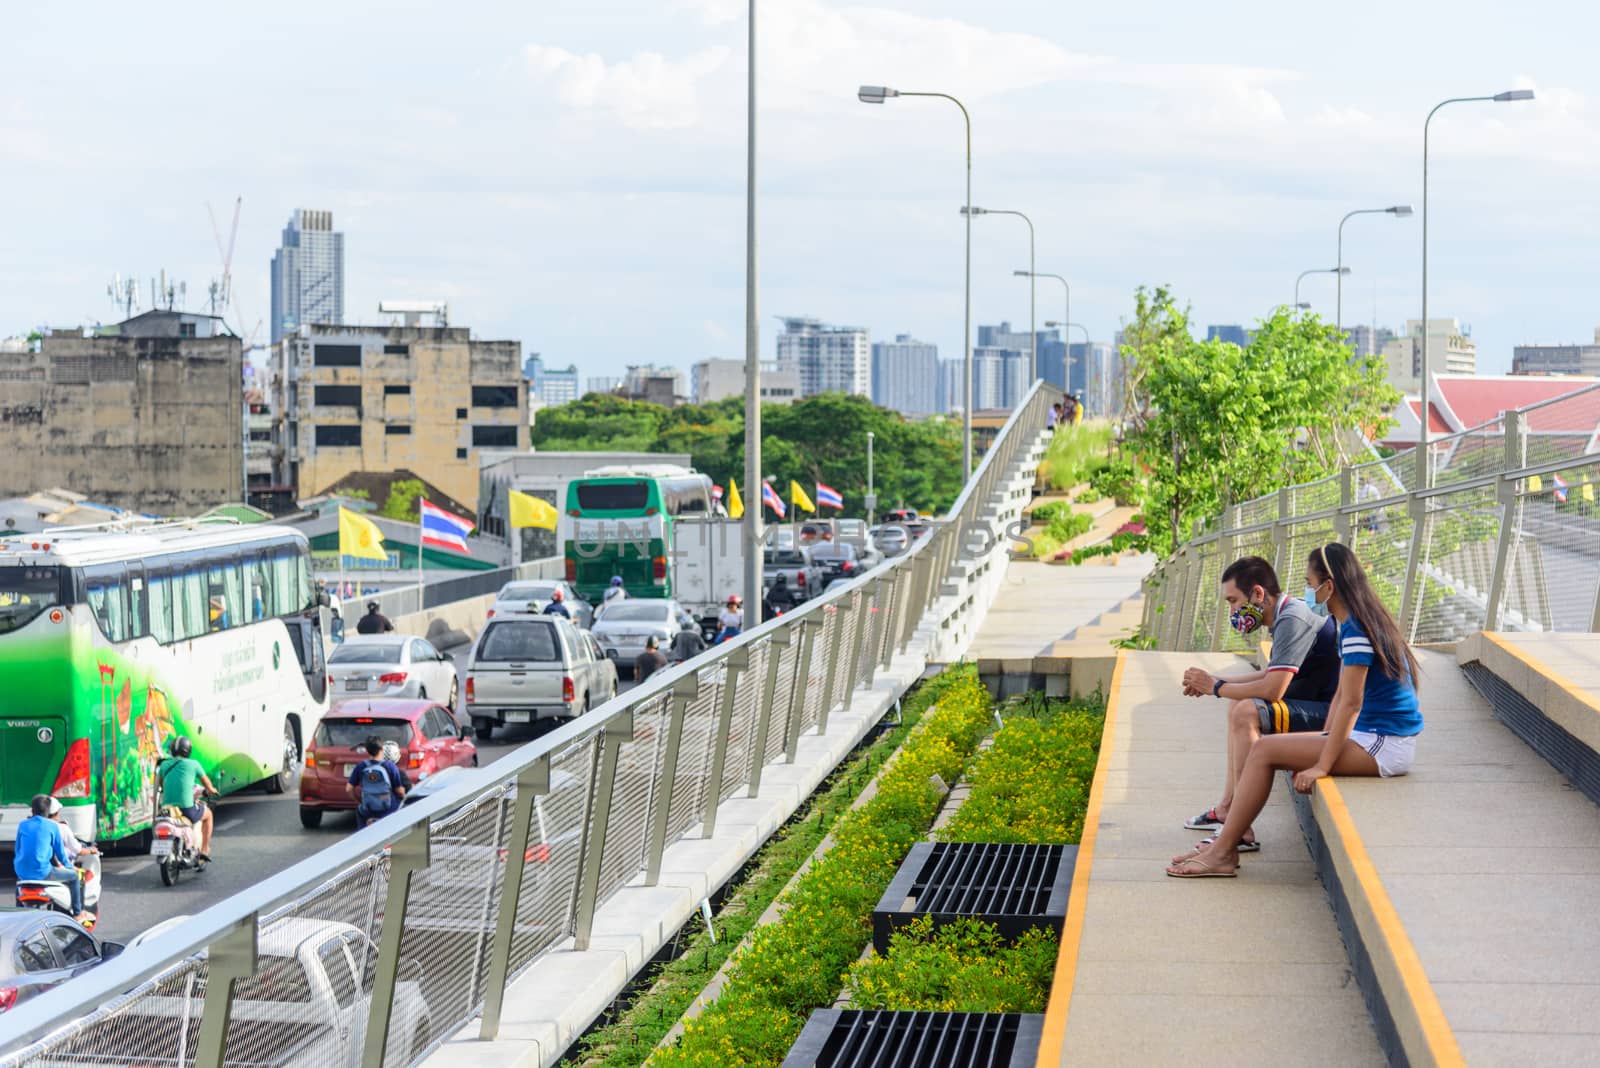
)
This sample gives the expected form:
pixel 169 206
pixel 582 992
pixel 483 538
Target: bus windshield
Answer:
pixel 613 496
pixel 25 592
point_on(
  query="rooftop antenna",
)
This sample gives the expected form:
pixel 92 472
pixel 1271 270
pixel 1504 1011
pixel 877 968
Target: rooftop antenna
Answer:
pixel 221 289
pixel 124 295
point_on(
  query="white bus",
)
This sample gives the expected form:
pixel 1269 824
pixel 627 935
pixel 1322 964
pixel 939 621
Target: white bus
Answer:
pixel 116 639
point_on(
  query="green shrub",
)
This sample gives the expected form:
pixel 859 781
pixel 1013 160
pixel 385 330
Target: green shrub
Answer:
pixel 1050 510
pixel 798 963
pixel 1074 453
pixel 964 966
pixel 1069 526
pixel 1120 481
pixel 1032 784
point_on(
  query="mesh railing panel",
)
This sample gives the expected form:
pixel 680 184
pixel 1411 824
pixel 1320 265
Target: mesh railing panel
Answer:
pixel 694 760
pixel 1313 497
pixel 555 854
pixel 844 649
pixel 788 700
pixel 633 797
pixel 1202 600
pixel 810 688
pixel 1260 510
pixel 1457 561
pixel 1381 539
pixel 742 727
pixel 1553 574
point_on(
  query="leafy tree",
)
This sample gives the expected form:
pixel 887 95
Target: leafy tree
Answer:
pixel 402 500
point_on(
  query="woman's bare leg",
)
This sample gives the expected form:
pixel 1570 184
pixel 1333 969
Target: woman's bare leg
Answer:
pixel 1294 752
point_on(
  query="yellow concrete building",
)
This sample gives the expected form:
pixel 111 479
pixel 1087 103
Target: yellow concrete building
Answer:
pixel 382 398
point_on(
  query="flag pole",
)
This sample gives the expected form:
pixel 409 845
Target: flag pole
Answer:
pixel 419 556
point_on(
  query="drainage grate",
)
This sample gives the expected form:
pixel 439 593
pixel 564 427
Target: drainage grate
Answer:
pixel 1015 887
pixel 1570 756
pixel 849 1038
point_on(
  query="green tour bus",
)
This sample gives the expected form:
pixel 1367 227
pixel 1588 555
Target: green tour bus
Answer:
pixel 621 522
pixel 116 639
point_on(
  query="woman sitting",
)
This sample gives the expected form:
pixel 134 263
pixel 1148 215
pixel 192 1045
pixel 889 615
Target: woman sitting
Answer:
pixel 1373 723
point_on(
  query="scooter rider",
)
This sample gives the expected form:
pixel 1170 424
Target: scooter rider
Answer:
pixel 556 607
pixel 374 622
pixel 178 774
pixel 614 592
pixel 40 855
pixel 69 841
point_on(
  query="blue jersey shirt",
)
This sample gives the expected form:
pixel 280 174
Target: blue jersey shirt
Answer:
pixel 1388 705
pixel 38 848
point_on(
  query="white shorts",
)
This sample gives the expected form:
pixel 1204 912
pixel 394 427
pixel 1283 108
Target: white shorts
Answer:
pixel 1393 752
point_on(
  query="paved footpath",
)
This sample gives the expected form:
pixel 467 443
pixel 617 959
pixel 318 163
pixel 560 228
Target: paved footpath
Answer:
pixel 1040 603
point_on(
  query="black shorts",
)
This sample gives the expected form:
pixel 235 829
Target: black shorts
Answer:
pixel 194 813
pixel 1287 717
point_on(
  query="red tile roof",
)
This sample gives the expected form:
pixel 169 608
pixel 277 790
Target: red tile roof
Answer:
pixel 1478 399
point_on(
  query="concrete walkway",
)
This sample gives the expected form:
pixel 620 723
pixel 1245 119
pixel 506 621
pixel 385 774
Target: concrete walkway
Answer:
pixel 1224 971
pixel 1038 604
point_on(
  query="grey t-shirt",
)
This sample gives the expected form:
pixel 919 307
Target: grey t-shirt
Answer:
pixel 1306 645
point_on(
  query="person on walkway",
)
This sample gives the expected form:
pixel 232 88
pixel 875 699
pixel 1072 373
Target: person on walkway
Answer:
pixel 374 622
pixel 1052 418
pixel 1292 694
pixel 648 662
pixel 1372 727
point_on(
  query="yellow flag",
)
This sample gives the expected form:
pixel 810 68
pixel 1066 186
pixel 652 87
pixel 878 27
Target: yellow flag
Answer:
pixel 530 511
pixel 1535 484
pixel 360 537
pixel 798 498
pixel 1586 492
pixel 735 502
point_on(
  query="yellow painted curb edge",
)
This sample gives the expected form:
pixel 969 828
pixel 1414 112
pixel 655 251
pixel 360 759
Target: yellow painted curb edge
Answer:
pixel 1055 1013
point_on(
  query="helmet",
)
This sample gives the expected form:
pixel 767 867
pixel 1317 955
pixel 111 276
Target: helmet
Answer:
pixel 54 809
pixel 734 599
pixel 616 580
pixel 557 596
pixel 182 747
pixel 391 751
pixel 372 606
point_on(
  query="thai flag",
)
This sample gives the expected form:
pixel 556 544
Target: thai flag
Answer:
pixel 1560 490
pixel 770 498
pixel 828 497
pixel 443 530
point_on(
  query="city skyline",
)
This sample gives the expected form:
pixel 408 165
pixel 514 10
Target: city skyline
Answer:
pixel 644 114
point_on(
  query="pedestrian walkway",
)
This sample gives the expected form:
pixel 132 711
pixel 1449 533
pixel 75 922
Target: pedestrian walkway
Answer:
pixel 1038 604
pixel 1228 971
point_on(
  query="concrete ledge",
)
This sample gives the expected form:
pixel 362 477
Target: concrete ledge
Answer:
pixel 1558 674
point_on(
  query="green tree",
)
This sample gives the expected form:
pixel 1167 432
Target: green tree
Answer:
pixel 402 500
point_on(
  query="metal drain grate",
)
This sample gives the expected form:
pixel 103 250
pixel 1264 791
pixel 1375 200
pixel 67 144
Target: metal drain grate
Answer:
pixel 1015 887
pixel 849 1038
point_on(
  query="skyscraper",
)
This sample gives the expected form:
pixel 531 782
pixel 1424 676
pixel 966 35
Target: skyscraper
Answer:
pixel 1230 332
pixel 307 273
pixel 905 375
pixel 828 358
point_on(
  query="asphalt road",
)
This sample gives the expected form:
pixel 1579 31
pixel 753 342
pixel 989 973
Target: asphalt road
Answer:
pixel 258 835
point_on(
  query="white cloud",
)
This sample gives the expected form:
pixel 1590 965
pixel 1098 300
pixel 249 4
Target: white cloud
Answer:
pixel 646 92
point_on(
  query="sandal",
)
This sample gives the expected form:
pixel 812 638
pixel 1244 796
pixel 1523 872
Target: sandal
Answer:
pixel 1206 821
pixel 1252 846
pixel 1197 868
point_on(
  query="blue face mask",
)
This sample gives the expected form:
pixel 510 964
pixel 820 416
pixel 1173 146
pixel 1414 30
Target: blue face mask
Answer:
pixel 1316 606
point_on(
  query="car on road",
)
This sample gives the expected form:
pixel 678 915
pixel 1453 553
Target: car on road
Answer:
pixel 800 573
pixel 843 560
pixel 525 669
pixel 891 539
pixel 529 598
pixel 429 738
pixel 900 515
pixel 853 531
pixel 40 950
pixel 623 627
pixel 390 665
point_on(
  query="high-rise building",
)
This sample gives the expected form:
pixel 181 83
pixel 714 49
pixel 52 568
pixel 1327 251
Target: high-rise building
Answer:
pixel 999 378
pixel 548 387
pixel 658 385
pixel 1449 347
pixel 307 273
pixel 1230 332
pixel 714 380
pixel 905 375
pixel 1574 359
pixel 384 398
pixel 951 396
pixel 826 358
pixel 1368 341
pixel 1102 378
pixel 146 415
pixel 602 384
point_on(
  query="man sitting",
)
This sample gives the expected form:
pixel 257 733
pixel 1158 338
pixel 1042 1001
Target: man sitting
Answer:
pixel 1292 694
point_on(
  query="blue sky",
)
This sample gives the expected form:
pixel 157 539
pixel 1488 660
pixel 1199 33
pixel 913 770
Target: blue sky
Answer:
pixel 572 175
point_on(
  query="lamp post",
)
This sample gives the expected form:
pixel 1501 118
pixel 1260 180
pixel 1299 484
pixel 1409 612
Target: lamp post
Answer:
pixel 1065 319
pixel 1033 331
pixel 1340 271
pixel 1425 478
pixel 877 94
pixel 1399 211
pixel 1066 326
pixel 753 563
pixel 872 498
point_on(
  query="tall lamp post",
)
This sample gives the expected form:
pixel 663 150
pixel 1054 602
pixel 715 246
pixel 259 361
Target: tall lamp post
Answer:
pixel 1340 271
pixel 1425 478
pixel 1399 211
pixel 1033 331
pixel 877 94
pixel 872 498
pixel 1067 318
pixel 753 562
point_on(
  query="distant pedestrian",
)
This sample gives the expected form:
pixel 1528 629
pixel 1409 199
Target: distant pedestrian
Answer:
pixel 648 662
pixel 1053 417
pixel 688 643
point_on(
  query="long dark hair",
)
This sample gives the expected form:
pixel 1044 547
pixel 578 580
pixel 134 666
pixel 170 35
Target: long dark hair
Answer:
pixel 1389 646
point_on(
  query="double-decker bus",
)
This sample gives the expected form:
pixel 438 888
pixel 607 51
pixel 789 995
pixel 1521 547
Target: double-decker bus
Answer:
pixel 116 639
pixel 622 523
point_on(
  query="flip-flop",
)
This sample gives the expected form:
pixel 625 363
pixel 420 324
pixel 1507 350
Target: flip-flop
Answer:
pixel 1252 846
pixel 1195 868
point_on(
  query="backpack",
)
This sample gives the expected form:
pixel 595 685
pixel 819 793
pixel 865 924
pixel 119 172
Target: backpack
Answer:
pixel 376 787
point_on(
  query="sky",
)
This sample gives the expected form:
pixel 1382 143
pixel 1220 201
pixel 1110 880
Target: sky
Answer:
pixel 572 175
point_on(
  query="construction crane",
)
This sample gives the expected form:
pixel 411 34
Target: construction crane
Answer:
pixel 222 289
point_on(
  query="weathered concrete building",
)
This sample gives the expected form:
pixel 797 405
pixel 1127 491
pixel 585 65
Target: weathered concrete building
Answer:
pixel 146 415
pixel 382 398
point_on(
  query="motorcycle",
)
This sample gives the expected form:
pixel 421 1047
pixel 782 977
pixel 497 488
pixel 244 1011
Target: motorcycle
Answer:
pixel 53 894
pixel 175 842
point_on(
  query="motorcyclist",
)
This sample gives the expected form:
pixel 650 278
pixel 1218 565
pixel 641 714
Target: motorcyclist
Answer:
pixel 557 605
pixel 781 596
pixel 41 855
pixel 687 642
pixel 179 774
pixel 730 619
pixel 614 592
pixel 374 622
pixel 69 841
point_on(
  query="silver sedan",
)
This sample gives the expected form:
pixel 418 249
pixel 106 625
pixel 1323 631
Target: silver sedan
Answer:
pixel 391 665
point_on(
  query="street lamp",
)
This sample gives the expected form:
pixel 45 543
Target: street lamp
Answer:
pixel 1340 271
pixel 1425 478
pixel 1067 318
pixel 877 94
pixel 1399 211
pixel 872 498
pixel 753 560
pixel 1033 350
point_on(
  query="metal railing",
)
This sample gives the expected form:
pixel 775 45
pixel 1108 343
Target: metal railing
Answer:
pixel 378 948
pixel 404 600
pixel 1496 527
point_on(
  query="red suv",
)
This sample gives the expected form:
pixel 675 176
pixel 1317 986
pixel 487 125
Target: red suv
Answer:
pixel 426 733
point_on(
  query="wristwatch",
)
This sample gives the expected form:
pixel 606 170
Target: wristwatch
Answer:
pixel 1216 689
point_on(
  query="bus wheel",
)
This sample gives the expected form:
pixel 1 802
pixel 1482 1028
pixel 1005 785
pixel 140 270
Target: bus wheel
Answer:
pixel 285 779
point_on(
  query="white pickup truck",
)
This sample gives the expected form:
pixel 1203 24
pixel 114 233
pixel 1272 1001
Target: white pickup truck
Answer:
pixel 532 668
pixel 306 1004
